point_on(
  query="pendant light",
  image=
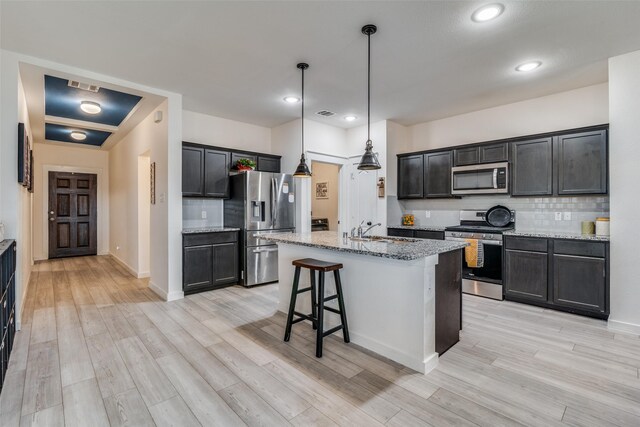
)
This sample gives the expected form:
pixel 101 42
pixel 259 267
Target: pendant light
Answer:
pixel 302 171
pixel 369 159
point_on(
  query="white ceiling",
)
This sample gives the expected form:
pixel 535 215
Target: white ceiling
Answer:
pixel 238 59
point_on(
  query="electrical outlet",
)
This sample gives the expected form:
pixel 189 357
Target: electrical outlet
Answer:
pixel 558 216
pixel 204 214
pixel 117 248
pixel 427 214
pixel 567 216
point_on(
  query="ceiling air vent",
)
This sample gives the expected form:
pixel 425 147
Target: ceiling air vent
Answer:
pixel 83 86
pixel 326 113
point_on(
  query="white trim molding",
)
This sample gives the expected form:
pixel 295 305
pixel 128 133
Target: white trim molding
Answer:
pixel 618 326
pixel 172 296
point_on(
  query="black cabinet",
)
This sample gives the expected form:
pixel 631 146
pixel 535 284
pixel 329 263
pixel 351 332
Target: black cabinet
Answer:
pixel 466 156
pixel 399 232
pixel 192 171
pixel 437 174
pixel 216 173
pixel 418 234
pixel 411 177
pixel 268 164
pixel 582 163
pixel 568 275
pixel 532 167
pixel 448 306
pixel 7 304
pixel 493 153
pixel 210 261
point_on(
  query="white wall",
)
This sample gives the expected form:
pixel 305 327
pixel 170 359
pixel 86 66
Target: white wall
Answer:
pixel 624 152
pixel 326 208
pixel 572 109
pixel 211 130
pixel 73 158
pixel 144 215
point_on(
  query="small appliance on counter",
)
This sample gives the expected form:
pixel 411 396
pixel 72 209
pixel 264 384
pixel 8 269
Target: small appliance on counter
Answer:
pixel 482 271
pixel 319 224
pixel 408 220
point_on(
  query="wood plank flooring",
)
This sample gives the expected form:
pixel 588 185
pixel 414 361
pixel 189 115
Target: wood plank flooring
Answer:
pixel 97 347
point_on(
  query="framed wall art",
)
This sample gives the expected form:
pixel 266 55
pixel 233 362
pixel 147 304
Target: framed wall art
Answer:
pixel 322 190
pixel 153 183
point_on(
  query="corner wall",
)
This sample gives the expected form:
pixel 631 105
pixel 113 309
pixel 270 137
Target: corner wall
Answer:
pixel 624 152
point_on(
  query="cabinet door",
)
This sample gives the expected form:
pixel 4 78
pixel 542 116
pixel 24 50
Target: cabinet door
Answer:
pixel 437 174
pixel 268 164
pixel 192 171
pixel 410 177
pixel 225 263
pixel 582 163
pixel 399 232
pixel 216 173
pixel 467 156
pixel 579 282
pixel 425 234
pixel 197 268
pixel 494 153
pixel 526 275
pixel 532 167
pixel 237 156
pixel 448 311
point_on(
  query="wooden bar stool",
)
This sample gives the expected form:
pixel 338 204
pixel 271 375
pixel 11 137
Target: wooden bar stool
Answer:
pixel 317 300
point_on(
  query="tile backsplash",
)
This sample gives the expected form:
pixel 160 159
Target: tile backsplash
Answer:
pixel 192 213
pixel 532 213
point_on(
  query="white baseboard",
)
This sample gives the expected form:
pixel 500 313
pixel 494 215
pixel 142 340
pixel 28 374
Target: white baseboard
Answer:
pixel 618 326
pixel 124 265
pixel 172 296
pixel 144 274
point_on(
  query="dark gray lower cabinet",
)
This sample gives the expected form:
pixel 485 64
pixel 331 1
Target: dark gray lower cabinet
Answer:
pixel 399 232
pixel 568 275
pixel 418 234
pixel 526 274
pixel 448 314
pixel 210 261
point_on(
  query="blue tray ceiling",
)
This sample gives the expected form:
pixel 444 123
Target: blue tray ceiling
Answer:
pixel 61 100
pixel 63 134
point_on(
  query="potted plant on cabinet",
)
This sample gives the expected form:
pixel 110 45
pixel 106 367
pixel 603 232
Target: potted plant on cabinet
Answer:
pixel 245 165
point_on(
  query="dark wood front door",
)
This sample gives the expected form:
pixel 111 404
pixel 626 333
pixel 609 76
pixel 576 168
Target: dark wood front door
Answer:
pixel 72 214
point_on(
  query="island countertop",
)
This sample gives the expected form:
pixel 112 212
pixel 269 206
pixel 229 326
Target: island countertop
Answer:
pixel 405 249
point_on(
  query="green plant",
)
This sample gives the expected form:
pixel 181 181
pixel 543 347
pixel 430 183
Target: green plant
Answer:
pixel 246 163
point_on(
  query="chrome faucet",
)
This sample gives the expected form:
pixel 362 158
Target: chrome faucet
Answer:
pixel 362 233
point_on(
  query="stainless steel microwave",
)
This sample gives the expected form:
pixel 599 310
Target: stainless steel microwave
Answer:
pixel 491 178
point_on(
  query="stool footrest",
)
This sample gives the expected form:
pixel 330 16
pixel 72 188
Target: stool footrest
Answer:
pixel 332 330
pixel 333 310
pixel 331 298
pixel 302 317
pixel 303 290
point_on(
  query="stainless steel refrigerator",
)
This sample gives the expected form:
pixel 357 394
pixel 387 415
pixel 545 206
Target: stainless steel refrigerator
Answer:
pixel 260 203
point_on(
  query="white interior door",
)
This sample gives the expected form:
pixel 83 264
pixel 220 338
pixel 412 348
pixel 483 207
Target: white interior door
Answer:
pixel 363 202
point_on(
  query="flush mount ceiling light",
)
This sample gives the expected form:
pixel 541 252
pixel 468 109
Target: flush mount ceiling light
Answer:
pixel 78 136
pixel 369 159
pixel 291 99
pixel 302 171
pixel 90 107
pixel 487 12
pixel 350 118
pixel 529 66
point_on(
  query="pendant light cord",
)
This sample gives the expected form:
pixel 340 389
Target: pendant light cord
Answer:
pixel 369 88
pixel 302 107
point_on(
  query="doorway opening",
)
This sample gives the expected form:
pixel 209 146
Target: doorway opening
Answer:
pixel 144 215
pixel 325 196
pixel 73 214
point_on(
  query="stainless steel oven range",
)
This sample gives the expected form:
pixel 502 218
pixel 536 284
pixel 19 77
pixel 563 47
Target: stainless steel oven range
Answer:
pixel 485 278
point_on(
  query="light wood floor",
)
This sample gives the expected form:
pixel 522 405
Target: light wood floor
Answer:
pixel 98 348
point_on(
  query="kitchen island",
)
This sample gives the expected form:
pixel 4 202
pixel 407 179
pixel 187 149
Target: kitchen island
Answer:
pixel 402 296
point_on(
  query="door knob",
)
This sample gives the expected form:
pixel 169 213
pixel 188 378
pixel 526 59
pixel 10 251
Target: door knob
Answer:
pixel 50 212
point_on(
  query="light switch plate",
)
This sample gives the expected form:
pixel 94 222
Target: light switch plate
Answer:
pixel 558 216
pixel 204 214
pixel 427 214
pixel 567 216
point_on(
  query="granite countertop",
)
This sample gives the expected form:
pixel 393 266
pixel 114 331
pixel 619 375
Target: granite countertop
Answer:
pixel 407 250
pixel 208 230
pixel 556 235
pixel 420 227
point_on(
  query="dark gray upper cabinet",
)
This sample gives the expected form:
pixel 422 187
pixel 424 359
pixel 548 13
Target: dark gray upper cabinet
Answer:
pixel 237 156
pixel 493 153
pixel 532 167
pixel 525 274
pixel 192 171
pixel 268 164
pixel 466 156
pixel 582 163
pixel 437 174
pixel 411 177
pixel 216 173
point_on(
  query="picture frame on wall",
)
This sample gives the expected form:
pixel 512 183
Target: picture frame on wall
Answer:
pixel 322 190
pixel 22 153
pixel 30 187
pixel 153 183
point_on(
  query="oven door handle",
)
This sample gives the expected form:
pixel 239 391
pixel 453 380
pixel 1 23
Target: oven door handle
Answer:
pixel 484 242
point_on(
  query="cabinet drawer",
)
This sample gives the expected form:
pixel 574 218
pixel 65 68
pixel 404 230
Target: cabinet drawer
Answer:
pixel 580 248
pixel 526 244
pixel 209 238
pixel 399 232
pixel 425 234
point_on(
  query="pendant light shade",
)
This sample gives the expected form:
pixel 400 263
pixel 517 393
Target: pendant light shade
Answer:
pixel 369 159
pixel 302 171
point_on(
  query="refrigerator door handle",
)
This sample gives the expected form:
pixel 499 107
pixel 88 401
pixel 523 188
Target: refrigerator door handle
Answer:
pixel 274 198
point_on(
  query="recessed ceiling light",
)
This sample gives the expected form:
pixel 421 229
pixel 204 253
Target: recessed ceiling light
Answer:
pixel 78 136
pixel 291 99
pixel 350 118
pixel 90 107
pixel 487 12
pixel 528 66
